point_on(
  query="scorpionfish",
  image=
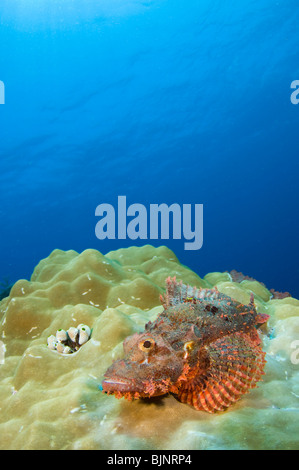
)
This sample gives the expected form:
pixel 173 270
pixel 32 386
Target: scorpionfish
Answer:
pixel 204 348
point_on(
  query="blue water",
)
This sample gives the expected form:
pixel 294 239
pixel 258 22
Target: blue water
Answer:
pixel 159 100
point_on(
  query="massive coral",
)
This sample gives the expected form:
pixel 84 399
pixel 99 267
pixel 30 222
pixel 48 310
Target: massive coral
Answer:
pixel 52 401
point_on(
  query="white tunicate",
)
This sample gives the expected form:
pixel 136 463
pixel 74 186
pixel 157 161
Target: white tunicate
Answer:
pixel 67 350
pixel 72 332
pixel 84 333
pixel 52 342
pixel 84 328
pixel 60 347
pixel 61 335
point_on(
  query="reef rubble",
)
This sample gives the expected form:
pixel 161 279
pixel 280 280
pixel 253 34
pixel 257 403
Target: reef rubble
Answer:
pixel 53 401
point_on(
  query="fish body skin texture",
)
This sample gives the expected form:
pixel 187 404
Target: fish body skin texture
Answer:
pixel 204 348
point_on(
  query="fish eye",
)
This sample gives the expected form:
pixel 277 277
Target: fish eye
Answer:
pixel 147 345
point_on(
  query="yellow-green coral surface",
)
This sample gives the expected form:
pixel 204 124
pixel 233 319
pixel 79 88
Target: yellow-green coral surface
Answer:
pixel 52 401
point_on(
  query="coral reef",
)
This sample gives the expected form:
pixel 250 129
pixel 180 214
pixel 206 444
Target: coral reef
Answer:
pixel 239 277
pixel 52 401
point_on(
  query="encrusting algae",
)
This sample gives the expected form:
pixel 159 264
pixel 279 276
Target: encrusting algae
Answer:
pixel 52 401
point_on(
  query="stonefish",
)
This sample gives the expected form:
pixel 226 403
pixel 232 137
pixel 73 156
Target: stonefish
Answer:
pixel 204 348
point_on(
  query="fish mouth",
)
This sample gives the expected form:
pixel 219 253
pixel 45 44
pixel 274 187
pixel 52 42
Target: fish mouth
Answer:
pixel 117 385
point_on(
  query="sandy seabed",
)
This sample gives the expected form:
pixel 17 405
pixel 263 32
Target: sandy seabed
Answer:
pixel 52 401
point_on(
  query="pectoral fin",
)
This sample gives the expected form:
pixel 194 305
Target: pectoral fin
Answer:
pixel 236 365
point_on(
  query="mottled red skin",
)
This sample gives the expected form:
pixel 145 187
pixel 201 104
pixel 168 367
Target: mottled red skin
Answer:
pixel 204 348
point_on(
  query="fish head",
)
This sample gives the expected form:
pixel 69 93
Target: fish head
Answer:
pixel 150 367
